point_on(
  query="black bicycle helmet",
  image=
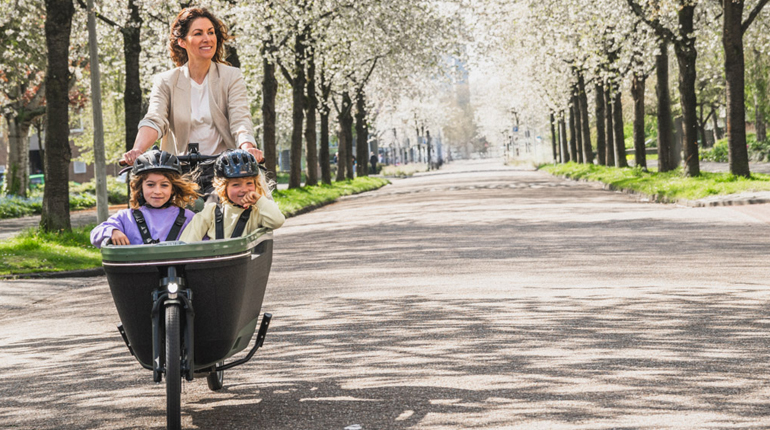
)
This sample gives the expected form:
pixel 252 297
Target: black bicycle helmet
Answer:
pixel 236 163
pixel 156 160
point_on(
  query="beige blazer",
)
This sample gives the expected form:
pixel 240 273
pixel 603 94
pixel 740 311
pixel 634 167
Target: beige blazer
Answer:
pixel 169 111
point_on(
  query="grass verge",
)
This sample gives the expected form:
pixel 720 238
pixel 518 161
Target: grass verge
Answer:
pixel 670 186
pixel 35 252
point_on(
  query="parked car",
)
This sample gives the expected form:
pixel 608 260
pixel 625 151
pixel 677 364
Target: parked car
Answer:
pixel 36 180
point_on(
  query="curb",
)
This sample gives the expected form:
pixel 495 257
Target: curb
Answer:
pixel 85 273
pixel 725 200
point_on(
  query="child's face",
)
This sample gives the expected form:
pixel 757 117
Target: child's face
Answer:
pixel 238 188
pixel 156 189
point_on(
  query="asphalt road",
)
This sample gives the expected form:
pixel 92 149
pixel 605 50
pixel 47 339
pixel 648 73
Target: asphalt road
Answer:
pixel 478 297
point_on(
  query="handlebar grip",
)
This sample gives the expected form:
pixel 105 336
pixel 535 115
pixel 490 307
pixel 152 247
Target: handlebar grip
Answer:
pixel 122 163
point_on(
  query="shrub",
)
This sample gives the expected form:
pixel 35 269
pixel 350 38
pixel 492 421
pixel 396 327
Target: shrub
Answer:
pixel 117 192
pixel 14 206
pixel 82 196
pixel 717 153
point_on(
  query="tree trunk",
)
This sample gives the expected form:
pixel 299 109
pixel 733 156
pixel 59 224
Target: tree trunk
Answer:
pixel 701 125
pixel 637 90
pixel 665 120
pixel 599 113
pixel 298 112
pixel 686 56
pixel 576 109
pixel 617 122
pixel 610 130
pixel 311 154
pixel 564 149
pixel 554 142
pixel 362 144
pixel 572 145
pixel 348 130
pixel 715 119
pixel 132 94
pixel 760 97
pixel 269 91
pixel 17 174
pixel 732 41
pixel 58 25
pixel 588 150
pixel 342 152
pixel 324 158
pixel 759 119
pixel 323 153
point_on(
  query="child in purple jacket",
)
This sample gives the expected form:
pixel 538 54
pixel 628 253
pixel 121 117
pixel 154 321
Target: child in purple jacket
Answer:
pixel 159 194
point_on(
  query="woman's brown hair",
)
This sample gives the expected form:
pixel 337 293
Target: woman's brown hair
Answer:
pixel 181 26
pixel 184 190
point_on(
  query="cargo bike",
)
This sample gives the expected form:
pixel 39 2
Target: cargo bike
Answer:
pixel 187 308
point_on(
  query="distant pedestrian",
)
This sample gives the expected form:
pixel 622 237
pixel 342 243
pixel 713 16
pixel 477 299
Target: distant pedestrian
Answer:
pixel 373 162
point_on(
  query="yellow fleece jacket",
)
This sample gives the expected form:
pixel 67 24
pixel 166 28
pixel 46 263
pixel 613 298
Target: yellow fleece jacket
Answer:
pixel 265 213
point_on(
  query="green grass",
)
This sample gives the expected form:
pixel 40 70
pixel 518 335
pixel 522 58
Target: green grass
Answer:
pixel 669 185
pixel 35 252
pixel 294 200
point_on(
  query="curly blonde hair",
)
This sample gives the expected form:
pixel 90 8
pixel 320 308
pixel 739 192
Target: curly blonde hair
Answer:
pixel 263 187
pixel 184 191
pixel 181 26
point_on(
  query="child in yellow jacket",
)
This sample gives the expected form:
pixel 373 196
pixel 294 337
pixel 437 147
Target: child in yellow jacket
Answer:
pixel 245 201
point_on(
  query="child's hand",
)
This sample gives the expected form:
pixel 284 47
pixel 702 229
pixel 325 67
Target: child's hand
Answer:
pixel 118 238
pixel 250 199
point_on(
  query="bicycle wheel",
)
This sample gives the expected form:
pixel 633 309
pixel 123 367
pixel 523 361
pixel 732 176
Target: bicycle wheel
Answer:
pixel 216 379
pixel 173 372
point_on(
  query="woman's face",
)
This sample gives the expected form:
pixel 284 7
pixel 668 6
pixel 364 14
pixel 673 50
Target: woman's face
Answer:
pixel 237 188
pixel 201 40
pixel 156 189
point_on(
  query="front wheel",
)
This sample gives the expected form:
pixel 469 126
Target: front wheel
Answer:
pixel 216 379
pixel 173 372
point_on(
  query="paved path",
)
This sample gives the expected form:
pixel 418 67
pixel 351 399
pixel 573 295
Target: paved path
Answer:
pixel 483 298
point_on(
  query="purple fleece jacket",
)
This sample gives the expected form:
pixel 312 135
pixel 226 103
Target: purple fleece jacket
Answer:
pixel 159 222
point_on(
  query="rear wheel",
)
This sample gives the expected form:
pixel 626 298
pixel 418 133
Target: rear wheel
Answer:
pixel 216 379
pixel 173 372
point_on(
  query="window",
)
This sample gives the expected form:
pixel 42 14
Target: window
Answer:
pixel 79 167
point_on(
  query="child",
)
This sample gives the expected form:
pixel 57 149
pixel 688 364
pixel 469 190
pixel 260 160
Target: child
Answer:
pixel 159 194
pixel 245 201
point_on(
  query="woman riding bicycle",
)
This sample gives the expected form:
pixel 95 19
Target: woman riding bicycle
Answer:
pixel 203 100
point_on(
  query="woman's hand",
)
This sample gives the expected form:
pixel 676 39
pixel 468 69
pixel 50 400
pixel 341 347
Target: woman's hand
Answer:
pixel 118 238
pixel 250 199
pixel 131 156
pixel 253 150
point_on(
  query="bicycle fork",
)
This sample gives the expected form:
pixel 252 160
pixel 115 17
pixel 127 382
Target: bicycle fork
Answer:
pixel 170 293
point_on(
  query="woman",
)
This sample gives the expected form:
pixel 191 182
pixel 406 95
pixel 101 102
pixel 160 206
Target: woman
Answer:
pixel 203 100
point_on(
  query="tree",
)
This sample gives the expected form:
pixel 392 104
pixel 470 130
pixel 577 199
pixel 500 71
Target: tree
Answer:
pixel 22 42
pixel 58 25
pixel 732 40
pixel 683 39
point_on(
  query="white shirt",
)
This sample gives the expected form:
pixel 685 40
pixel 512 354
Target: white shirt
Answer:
pixel 202 128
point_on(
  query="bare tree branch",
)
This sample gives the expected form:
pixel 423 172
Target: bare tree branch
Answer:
pixel 753 15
